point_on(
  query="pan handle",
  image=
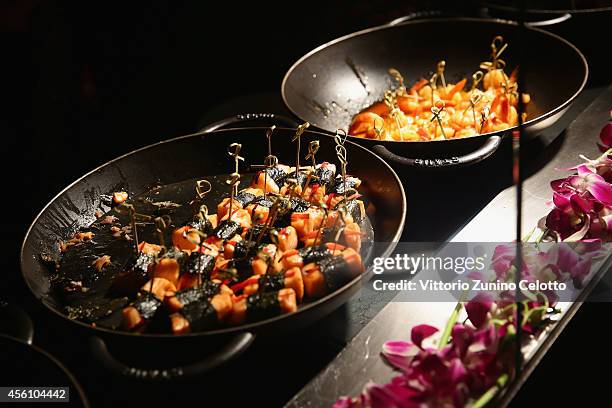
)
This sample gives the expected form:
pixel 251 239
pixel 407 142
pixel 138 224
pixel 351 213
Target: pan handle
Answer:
pixel 550 21
pixel 251 117
pixel 19 324
pixel 232 349
pixel 417 15
pixel 487 149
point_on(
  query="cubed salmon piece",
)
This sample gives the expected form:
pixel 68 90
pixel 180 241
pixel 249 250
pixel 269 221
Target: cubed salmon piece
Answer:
pixel 168 268
pixel 286 299
pixel 185 238
pixel 287 238
pixel 179 324
pixel 314 281
pixel 161 287
pixel 294 280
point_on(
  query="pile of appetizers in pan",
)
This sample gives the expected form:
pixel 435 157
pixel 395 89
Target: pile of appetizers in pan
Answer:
pixel 162 264
pixel 433 109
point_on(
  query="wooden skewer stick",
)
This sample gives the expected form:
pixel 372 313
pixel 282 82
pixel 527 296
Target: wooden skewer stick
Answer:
pixel 202 187
pixel 313 148
pixel 234 180
pixel 475 98
pixel 341 154
pixel 161 225
pixel 391 102
pixel 432 84
pixel 298 137
pixel 272 214
pixel 476 78
pixel 132 213
pixel 440 72
pixel 484 116
pixel 342 157
pixel 292 184
pixel 270 160
pixel 437 117
pixel 322 225
pixel 401 89
pixel 497 48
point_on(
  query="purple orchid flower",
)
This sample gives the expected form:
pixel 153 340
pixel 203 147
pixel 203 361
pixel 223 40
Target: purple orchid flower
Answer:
pixel 478 308
pixel 420 333
pixel 606 134
pixel 587 180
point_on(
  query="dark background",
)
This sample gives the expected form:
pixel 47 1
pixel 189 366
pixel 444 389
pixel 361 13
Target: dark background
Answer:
pixel 81 84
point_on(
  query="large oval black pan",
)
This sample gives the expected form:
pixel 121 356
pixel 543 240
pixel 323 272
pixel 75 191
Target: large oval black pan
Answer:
pixel 189 157
pixel 332 83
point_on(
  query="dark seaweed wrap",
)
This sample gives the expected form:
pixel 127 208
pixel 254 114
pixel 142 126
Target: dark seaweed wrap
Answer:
pixel 263 306
pixel 147 304
pixel 263 202
pixel 227 229
pixel 245 249
pixel 134 274
pixel 325 174
pixel 296 204
pixel 354 209
pixel 201 264
pixel 314 254
pixel 336 271
pixel 277 174
pixel 271 282
pixel 302 176
pixel 201 224
pixel 256 229
pixel 339 185
pixel 201 315
pixel 240 269
pixel 245 198
pixel 205 291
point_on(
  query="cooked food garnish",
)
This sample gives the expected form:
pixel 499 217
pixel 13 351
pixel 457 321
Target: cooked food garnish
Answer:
pixel 101 262
pixel 120 197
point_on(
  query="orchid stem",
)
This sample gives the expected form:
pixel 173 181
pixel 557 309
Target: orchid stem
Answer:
pixel 491 392
pixel 449 325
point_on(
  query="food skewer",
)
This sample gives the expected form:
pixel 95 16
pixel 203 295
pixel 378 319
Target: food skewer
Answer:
pixel 234 179
pixel 161 225
pixel 341 154
pixel 476 78
pixel 313 148
pixel 440 72
pixel 401 89
pixel 298 137
pixel 475 98
pixel 437 112
pixel 484 117
pixel 270 160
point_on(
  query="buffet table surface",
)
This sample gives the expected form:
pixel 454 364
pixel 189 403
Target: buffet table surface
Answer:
pixel 558 148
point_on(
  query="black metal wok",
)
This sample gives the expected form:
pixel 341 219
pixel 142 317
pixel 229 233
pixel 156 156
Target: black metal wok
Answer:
pixel 332 83
pixel 198 155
